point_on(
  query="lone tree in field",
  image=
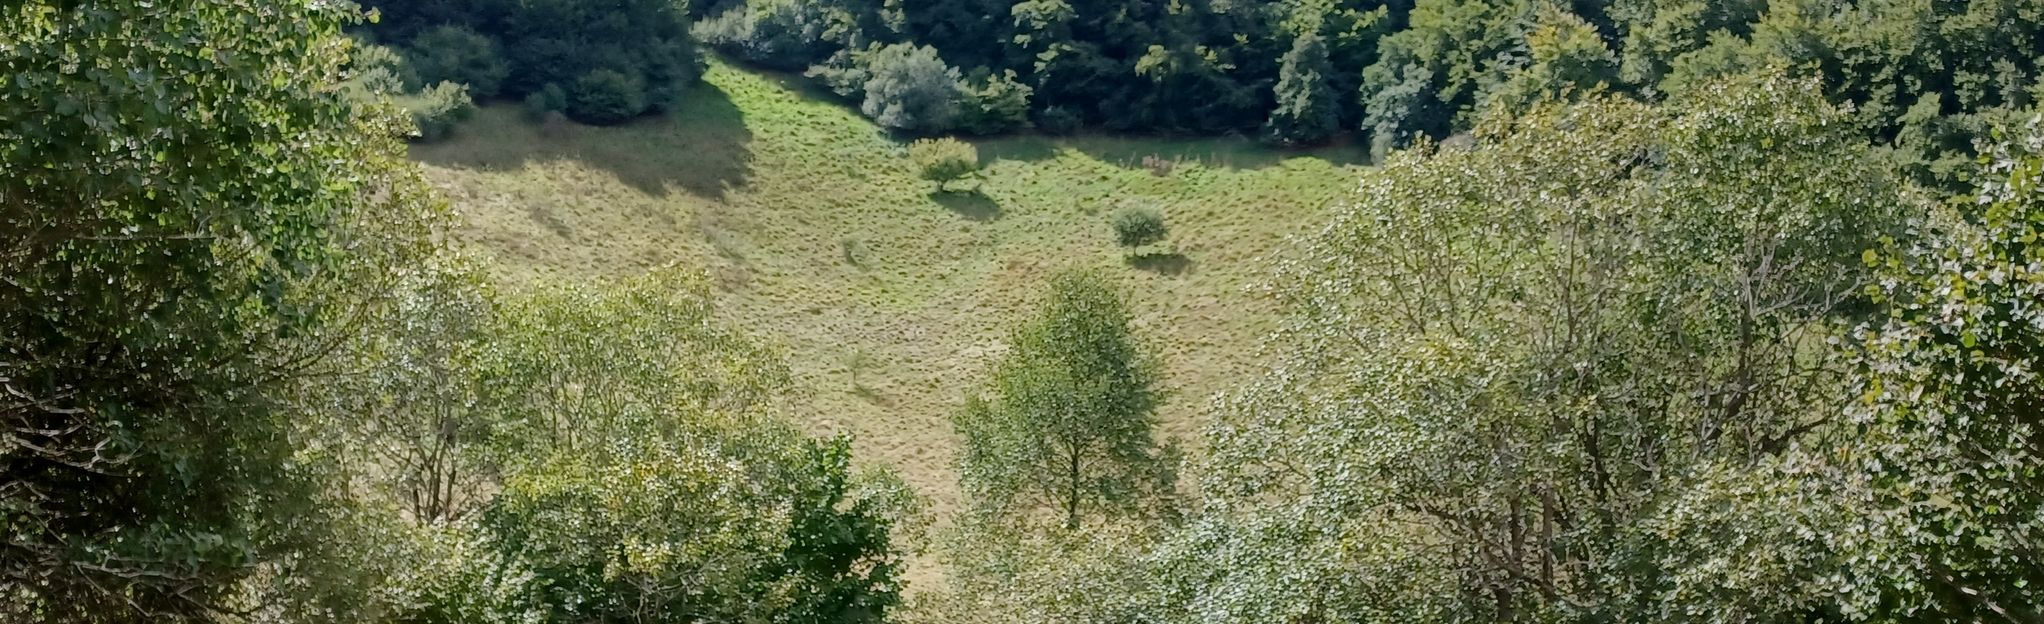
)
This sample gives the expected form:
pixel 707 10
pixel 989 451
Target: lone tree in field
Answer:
pixel 1068 425
pixel 944 160
pixel 186 234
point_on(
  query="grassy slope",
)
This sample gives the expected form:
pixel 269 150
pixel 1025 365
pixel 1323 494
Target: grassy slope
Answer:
pixel 822 239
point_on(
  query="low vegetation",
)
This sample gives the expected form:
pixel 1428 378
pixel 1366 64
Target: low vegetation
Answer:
pixel 944 160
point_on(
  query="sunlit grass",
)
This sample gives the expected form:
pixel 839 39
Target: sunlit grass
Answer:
pixel 823 240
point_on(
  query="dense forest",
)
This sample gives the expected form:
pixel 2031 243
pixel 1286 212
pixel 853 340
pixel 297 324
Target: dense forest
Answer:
pixel 1646 311
pixel 1922 78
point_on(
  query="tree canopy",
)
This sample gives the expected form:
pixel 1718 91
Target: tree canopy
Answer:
pixel 1068 425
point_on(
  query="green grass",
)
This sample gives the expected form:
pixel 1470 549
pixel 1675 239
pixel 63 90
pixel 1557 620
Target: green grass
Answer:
pixel 821 238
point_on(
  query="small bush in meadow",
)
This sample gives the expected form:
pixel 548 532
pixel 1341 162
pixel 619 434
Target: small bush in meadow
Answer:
pixel 1135 227
pixel 944 160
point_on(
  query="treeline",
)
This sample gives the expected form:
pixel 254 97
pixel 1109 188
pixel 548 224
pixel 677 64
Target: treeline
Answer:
pixel 597 62
pixel 243 378
pixel 1703 361
pixel 1923 77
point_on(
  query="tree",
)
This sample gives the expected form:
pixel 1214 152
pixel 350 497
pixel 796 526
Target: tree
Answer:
pixel 1567 57
pixel 634 472
pixel 909 88
pixel 944 160
pixel 1068 426
pixel 195 215
pixel 606 97
pixel 459 55
pixel 1135 227
pixel 554 42
pixel 1556 354
pixel 1306 108
pixel 995 104
pixel 1946 428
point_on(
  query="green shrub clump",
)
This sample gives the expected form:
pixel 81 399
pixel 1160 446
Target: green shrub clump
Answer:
pixel 606 97
pixel 944 160
pixel 548 99
pixel 1135 227
pixel 436 109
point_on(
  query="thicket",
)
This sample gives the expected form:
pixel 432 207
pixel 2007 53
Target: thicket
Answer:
pixel 616 60
pixel 1923 77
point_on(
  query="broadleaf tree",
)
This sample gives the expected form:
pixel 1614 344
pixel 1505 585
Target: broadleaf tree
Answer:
pixel 1068 423
pixel 195 214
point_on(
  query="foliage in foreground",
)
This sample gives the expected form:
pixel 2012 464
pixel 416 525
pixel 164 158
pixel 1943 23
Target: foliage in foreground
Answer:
pixel 181 247
pixel 1614 363
pixel 244 381
pixel 619 463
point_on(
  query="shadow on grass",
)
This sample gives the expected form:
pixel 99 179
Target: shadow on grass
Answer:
pixel 970 204
pixel 702 147
pixel 1173 264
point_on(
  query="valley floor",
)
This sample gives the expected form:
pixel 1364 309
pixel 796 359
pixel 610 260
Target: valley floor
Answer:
pixel 889 299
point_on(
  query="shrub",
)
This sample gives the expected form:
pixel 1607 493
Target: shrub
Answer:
pixel 995 104
pixel 1135 227
pixel 550 99
pixel 458 54
pixel 911 89
pixel 377 71
pixel 606 97
pixel 784 34
pixel 436 110
pixel 944 160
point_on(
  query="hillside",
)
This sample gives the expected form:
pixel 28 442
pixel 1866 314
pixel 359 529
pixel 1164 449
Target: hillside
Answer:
pixel 888 299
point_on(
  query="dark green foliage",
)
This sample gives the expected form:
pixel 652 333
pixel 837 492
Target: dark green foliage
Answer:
pixel 1395 70
pixel 1057 120
pixel 459 55
pixel 785 34
pixel 909 88
pixel 1135 227
pixel 437 109
pixel 994 104
pixel 561 42
pixel 840 559
pixel 548 99
pixel 192 216
pixel 1307 111
pixel 1067 428
pixel 605 97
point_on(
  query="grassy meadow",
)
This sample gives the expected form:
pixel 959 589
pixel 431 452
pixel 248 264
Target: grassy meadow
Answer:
pixel 889 299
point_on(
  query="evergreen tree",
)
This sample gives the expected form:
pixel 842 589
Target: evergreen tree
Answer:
pixel 1306 108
